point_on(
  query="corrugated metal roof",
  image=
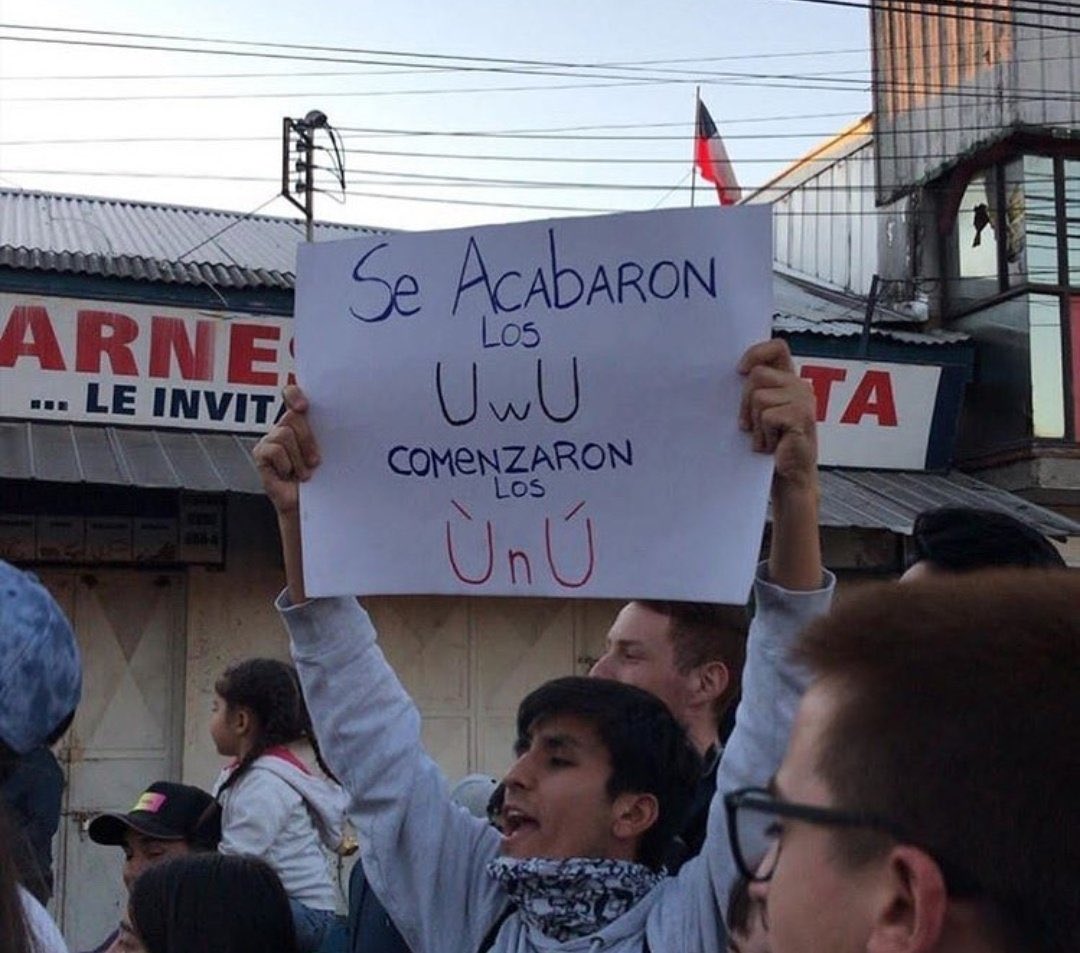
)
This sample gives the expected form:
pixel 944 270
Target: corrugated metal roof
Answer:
pixel 219 463
pixel 802 310
pixel 166 459
pixel 151 242
pixel 890 499
pixel 114 238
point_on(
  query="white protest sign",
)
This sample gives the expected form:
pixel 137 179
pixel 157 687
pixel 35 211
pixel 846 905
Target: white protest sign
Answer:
pixel 543 409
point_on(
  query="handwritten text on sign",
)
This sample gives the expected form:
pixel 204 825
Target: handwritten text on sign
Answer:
pixel 537 409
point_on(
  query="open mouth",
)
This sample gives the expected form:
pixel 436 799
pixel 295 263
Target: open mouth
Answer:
pixel 516 823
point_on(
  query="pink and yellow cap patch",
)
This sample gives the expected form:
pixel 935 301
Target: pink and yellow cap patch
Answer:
pixel 151 802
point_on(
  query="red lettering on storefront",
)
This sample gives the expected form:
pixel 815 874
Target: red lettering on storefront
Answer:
pixel 29 333
pixel 105 333
pixel 873 397
pixel 169 338
pixel 244 352
pixel 822 379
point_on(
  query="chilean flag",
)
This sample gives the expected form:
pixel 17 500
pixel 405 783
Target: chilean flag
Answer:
pixel 711 158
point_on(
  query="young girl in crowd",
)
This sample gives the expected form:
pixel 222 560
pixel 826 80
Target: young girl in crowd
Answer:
pixel 273 807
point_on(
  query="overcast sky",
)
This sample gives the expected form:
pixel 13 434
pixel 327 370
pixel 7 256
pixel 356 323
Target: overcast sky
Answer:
pixel 777 75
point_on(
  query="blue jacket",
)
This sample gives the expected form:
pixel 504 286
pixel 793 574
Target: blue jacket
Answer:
pixel 33 793
pixel 370 928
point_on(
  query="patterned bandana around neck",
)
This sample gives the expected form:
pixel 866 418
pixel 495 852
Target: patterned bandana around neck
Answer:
pixel 565 899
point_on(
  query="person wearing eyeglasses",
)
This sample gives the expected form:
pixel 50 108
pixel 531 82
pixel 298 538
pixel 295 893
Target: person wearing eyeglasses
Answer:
pixel 927 802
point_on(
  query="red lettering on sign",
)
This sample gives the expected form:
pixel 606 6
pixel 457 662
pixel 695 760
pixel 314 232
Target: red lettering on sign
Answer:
pixel 873 396
pixel 169 338
pixel 292 354
pixel 244 352
pixel 29 333
pixel 105 333
pixel 822 380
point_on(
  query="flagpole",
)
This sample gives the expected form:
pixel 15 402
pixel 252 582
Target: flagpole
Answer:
pixel 693 158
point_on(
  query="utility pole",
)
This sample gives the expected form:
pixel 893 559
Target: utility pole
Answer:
pixel 868 317
pixel 303 147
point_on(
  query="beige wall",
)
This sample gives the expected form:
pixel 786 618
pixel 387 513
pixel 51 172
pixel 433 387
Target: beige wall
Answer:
pixel 230 616
pixel 466 662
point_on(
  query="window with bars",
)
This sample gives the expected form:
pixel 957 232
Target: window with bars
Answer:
pixel 1013 282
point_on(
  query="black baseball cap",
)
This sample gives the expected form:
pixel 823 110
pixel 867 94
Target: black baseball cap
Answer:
pixel 164 811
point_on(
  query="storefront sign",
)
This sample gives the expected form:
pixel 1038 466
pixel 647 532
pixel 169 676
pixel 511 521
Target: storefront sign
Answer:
pixel 139 365
pixel 545 409
pixel 872 414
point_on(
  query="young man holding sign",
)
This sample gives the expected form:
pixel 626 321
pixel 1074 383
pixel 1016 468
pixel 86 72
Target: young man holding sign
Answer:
pixel 604 771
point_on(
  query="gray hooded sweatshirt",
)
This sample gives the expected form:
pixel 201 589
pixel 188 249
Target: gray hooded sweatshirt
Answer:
pixel 426 858
pixel 280 812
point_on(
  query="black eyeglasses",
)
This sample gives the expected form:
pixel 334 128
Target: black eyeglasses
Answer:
pixel 754 834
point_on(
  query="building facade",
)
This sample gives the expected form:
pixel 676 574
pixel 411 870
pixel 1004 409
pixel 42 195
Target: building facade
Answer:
pixel 142 352
pixel 977 141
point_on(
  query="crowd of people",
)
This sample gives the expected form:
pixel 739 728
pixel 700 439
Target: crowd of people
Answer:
pixel 890 771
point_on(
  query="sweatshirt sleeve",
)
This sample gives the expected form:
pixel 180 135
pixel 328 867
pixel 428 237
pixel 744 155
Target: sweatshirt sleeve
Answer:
pixel 424 857
pixel 771 689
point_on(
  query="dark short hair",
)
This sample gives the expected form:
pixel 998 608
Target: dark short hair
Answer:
pixel 649 750
pixel 963 538
pixel 212 903
pixel 704 632
pixel 957 720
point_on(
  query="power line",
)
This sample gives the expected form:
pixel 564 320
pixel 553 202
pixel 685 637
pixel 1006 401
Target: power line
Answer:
pixel 142 77
pixel 802 161
pixel 152 140
pixel 489 64
pixel 156 48
pixel 420 180
pixel 233 224
pixel 761 81
pixel 403 70
pixel 777 211
pixel 416 60
pixel 875 6
pixel 822 81
pixel 346 94
pixel 764 80
pixel 476 202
